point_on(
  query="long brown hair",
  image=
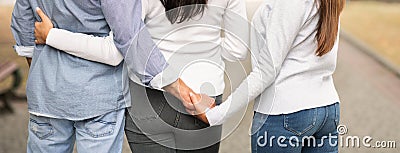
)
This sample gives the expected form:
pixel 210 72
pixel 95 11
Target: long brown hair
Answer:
pixel 327 30
pixel 178 11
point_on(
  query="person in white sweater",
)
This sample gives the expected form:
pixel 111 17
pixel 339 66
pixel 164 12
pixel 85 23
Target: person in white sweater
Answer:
pixel 188 33
pixel 295 46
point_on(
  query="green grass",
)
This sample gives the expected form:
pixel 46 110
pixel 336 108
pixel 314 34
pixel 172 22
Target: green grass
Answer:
pixel 377 24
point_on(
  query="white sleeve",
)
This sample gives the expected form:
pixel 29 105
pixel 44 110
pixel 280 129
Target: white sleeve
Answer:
pixel 272 47
pixel 98 49
pixel 25 51
pixel 236 27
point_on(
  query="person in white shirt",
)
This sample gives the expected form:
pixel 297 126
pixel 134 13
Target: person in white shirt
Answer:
pixel 295 45
pixel 188 33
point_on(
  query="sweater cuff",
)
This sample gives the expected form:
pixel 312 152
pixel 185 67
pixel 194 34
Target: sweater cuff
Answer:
pixel 53 36
pixel 217 115
pixel 25 51
pixel 213 117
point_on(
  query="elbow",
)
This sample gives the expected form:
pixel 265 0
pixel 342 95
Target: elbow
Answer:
pixel 235 52
pixel 114 63
pixel 243 51
pixel 242 55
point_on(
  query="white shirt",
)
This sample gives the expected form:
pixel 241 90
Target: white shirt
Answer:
pixel 194 47
pixel 287 76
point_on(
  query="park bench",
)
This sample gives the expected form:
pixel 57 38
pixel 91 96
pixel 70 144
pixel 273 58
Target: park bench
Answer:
pixel 8 69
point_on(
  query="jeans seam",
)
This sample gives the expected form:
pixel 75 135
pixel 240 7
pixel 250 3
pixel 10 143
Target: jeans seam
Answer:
pixel 177 118
pixel 108 132
pixel 161 108
pixel 337 114
pixel 325 119
pixel 308 128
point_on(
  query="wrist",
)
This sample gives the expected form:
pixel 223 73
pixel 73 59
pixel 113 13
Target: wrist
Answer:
pixel 48 36
pixel 203 118
pixel 173 88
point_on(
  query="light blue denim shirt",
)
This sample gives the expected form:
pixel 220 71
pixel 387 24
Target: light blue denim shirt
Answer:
pixel 64 86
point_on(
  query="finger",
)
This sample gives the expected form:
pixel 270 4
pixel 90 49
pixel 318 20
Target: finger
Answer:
pixel 192 97
pixel 206 99
pixel 195 98
pixel 191 112
pixel 188 105
pixel 213 105
pixel 41 14
pixel 40 42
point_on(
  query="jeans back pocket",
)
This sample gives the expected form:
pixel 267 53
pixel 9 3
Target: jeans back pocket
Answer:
pixel 101 126
pixel 300 122
pixel 147 104
pixel 40 126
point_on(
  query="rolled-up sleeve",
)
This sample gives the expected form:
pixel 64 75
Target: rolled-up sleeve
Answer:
pixel 141 55
pixel 22 27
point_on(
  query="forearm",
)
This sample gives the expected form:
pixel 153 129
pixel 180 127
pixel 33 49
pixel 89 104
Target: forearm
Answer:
pixel 247 91
pixel 22 27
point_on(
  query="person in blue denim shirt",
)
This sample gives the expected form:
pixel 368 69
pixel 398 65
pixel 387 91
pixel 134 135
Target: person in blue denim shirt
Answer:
pixel 70 98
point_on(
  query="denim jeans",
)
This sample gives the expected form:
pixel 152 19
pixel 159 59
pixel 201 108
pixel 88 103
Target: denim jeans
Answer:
pixel 158 123
pixel 308 131
pixel 102 134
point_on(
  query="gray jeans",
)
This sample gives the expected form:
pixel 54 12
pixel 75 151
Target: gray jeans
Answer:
pixel 158 123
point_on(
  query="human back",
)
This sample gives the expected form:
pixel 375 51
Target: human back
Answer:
pixel 50 83
pixel 194 46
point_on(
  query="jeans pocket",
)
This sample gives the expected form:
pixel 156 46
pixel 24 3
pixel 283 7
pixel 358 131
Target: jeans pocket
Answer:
pixel 300 122
pixel 101 126
pixel 40 126
pixel 337 114
pixel 259 121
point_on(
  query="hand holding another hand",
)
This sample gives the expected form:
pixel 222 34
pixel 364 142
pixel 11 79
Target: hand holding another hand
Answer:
pixel 202 103
pixel 195 104
pixel 181 91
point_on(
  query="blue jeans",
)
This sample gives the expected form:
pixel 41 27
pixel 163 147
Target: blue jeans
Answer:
pixel 308 131
pixel 102 134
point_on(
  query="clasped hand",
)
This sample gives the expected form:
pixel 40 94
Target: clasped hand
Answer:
pixel 195 104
